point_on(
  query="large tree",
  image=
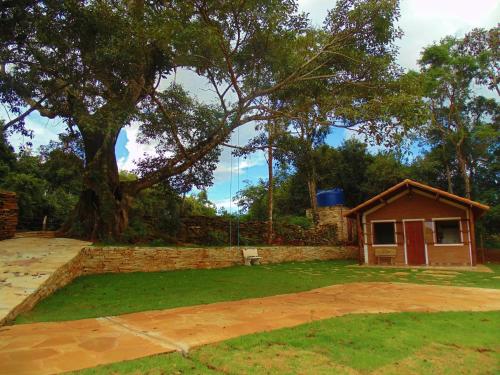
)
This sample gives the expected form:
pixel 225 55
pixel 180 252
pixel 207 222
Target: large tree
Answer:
pixel 101 65
pixel 456 73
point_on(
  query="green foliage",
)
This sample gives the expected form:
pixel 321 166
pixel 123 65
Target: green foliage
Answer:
pixel 252 201
pixel 349 166
pixel 463 126
pixel 137 231
pixel 198 205
pixel 47 184
pixel 383 172
pixel 301 221
pixel 154 215
pixel 127 176
pixel 31 195
pixel 7 155
pixel 345 167
pixel 217 238
pixel 112 56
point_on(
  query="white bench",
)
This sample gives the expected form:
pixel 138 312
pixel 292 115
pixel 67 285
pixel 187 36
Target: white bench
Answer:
pixel 251 257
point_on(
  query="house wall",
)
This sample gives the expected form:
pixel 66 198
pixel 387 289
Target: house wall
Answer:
pixel 416 205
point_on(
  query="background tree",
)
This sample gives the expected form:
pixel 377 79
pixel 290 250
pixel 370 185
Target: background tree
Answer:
pixel 47 183
pixel 451 71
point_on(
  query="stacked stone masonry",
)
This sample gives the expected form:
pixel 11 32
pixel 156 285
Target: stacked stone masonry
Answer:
pixel 8 215
pixel 96 260
pixel 334 216
pixel 109 259
pixel 205 230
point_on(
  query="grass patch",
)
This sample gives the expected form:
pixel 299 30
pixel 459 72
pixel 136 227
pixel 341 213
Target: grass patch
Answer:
pixel 402 343
pixel 114 294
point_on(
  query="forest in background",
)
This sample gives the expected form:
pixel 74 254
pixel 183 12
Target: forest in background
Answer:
pixel 48 184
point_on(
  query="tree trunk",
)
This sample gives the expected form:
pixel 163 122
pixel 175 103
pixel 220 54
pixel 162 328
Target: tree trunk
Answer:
pixel 448 178
pixel 102 210
pixel 270 232
pixel 462 165
pixel 311 185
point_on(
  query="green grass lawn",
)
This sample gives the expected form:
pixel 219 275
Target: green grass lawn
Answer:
pixel 113 294
pixel 405 343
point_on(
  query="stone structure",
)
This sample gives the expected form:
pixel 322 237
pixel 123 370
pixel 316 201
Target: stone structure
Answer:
pixel 334 216
pixel 8 215
pixel 118 259
pixel 95 260
pixel 206 230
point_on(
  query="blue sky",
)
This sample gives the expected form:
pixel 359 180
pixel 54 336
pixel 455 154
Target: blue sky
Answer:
pixel 422 21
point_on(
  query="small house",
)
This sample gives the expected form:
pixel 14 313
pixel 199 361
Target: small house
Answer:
pixel 416 224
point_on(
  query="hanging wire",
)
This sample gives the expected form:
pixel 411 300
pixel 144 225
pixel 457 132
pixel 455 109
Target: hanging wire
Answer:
pixel 238 186
pixel 230 199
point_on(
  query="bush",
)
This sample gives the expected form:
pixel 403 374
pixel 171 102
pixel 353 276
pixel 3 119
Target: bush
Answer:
pixel 248 241
pixel 301 221
pixel 137 231
pixel 217 238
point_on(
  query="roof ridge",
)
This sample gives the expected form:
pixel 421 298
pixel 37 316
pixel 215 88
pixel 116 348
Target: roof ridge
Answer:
pixel 420 185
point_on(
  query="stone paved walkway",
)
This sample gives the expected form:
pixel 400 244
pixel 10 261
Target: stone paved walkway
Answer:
pixel 46 348
pixel 26 263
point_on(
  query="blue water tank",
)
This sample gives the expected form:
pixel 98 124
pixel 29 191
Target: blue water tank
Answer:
pixel 332 197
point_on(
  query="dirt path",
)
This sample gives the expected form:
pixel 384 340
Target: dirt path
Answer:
pixel 45 348
pixel 27 263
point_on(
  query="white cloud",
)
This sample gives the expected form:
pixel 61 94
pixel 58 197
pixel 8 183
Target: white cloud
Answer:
pixel 427 21
pixel 44 131
pixel 136 150
pixel 317 9
pixel 229 205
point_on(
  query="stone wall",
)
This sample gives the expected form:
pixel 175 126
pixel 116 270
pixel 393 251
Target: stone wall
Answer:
pixel 8 214
pixel 334 216
pixel 109 259
pixel 207 230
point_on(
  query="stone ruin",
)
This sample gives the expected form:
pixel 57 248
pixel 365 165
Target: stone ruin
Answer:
pixel 8 214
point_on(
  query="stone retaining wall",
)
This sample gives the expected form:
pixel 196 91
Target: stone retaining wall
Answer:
pixel 95 260
pixel 214 231
pixel 110 259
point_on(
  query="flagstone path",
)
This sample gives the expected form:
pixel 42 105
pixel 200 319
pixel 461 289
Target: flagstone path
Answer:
pixel 47 348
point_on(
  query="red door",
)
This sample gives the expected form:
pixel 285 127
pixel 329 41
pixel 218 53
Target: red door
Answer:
pixel 415 246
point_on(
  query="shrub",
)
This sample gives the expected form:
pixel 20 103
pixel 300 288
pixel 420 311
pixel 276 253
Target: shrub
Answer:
pixel 217 238
pixel 301 221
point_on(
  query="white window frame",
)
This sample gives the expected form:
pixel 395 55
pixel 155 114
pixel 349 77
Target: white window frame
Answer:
pixel 425 242
pixel 373 233
pixel 459 219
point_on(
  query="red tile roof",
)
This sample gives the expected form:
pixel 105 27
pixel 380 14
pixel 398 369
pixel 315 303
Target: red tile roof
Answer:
pixel 479 208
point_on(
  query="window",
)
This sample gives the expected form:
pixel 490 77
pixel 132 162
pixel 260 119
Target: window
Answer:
pixel 383 234
pixel 448 232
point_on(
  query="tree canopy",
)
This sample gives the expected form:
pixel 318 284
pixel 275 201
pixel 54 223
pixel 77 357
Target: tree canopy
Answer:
pixel 101 65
